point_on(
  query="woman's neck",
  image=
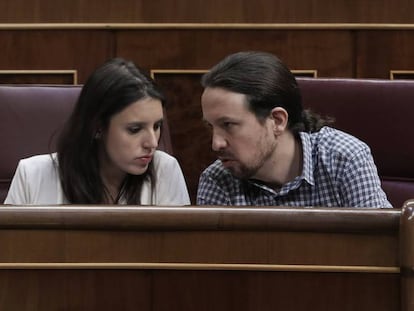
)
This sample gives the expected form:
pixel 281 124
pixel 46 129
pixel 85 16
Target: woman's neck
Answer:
pixel 112 179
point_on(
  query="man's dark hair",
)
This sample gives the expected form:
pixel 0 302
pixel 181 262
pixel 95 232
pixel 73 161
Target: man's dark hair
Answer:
pixel 267 83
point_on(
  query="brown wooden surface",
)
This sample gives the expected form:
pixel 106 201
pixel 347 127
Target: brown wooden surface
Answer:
pixel 200 235
pixel 407 256
pixel 259 11
pixel 357 53
pixel 36 78
pixel 224 290
pixel 55 50
pixel 328 51
pixel 203 246
pixel 189 135
pixel 195 218
pixel 382 51
pixel 42 290
pixel 192 258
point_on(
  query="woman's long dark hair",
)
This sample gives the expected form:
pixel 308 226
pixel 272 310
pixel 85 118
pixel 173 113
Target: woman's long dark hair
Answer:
pixel 111 88
pixel 267 83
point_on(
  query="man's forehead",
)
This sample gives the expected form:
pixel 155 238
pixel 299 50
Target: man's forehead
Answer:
pixel 219 93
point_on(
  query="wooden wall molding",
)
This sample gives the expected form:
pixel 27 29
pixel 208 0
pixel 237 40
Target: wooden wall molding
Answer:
pixel 73 73
pixel 401 74
pixel 199 266
pixel 239 26
pixel 312 73
pixel 154 72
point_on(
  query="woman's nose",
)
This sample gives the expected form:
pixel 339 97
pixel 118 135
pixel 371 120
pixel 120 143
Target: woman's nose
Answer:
pixel 151 140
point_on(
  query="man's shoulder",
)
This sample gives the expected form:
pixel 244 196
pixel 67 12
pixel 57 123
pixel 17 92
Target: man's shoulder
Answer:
pixel 216 171
pixel 336 141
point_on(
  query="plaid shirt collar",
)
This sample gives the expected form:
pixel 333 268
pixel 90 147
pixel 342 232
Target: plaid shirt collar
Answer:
pixel 307 171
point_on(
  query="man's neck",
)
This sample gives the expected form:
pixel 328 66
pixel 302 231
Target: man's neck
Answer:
pixel 286 162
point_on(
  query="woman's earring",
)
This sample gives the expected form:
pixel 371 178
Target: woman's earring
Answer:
pixel 98 135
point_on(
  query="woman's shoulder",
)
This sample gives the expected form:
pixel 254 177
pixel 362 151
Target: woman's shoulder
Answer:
pixel 165 163
pixel 161 158
pixel 39 163
pixel 40 159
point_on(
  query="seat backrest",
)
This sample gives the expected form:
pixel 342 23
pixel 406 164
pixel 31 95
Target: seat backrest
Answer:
pixel 30 117
pixel 380 113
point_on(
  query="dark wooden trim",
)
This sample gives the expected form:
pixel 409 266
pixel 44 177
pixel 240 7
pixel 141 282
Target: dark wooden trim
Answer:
pixel 237 26
pixel 201 218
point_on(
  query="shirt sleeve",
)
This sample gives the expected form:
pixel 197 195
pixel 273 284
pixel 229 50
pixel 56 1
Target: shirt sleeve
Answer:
pixel 171 187
pixel 209 192
pixel 361 186
pixel 18 192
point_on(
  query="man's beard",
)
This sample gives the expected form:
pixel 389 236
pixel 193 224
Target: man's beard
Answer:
pixel 249 169
pixel 241 170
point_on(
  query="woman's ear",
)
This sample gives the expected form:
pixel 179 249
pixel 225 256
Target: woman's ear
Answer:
pixel 280 119
pixel 98 133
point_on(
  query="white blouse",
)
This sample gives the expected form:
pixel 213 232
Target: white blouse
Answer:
pixel 36 182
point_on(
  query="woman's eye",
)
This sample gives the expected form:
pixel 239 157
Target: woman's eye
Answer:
pixel 157 125
pixel 134 130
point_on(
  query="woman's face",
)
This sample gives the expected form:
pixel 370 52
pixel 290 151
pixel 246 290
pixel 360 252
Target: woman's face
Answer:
pixel 132 136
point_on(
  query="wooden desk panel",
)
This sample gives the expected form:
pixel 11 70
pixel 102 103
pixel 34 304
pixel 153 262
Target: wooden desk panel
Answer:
pixel 127 258
pixel 209 247
pixel 195 290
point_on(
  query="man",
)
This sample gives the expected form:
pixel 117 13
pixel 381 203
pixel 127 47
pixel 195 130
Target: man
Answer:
pixel 273 152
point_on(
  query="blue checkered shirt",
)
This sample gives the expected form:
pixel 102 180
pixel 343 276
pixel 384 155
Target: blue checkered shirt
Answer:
pixel 338 171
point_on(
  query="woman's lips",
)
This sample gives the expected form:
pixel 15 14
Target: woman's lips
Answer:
pixel 144 159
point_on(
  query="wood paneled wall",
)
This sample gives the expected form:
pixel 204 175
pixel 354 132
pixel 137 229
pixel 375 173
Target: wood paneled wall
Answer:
pixel 332 52
pixel 215 11
pixel 357 52
pixel 158 35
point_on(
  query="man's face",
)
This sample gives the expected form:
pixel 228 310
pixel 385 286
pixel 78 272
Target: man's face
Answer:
pixel 242 143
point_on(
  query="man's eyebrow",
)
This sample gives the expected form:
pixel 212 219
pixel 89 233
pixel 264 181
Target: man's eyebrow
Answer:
pixel 226 119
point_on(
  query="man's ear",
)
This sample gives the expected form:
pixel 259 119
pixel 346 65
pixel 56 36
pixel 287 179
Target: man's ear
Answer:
pixel 280 119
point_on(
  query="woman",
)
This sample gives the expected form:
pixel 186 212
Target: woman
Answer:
pixel 106 153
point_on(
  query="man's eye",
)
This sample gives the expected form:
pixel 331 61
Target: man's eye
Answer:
pixel 228 125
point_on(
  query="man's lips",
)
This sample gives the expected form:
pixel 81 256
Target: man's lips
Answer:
pixel 226 159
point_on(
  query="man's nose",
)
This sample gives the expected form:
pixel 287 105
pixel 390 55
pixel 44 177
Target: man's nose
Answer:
pixel 218 142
